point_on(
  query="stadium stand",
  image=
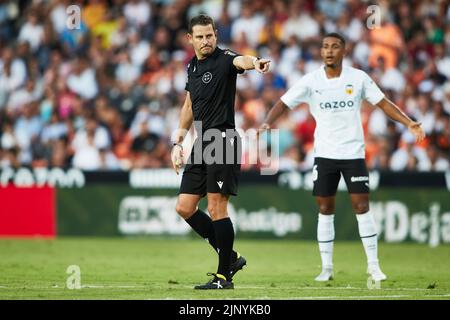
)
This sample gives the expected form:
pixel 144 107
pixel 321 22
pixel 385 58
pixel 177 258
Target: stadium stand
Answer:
pixel 106 96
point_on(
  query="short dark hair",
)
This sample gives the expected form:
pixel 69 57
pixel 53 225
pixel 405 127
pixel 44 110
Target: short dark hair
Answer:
pixel 335 35
pixel 201 19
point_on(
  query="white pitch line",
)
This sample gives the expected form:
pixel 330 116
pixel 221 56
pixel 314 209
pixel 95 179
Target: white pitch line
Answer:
pixel 88 286
pixel 98 286
pixel 346 297
pixel 355 297
pixel 328 288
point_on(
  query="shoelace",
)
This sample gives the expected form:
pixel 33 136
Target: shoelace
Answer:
pixel 216 278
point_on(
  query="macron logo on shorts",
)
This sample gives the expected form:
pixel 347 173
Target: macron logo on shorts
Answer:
pixel 220 183
pixel 359 179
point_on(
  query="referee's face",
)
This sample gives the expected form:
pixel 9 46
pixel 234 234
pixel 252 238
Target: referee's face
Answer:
pixel 332 52
pixel 203 39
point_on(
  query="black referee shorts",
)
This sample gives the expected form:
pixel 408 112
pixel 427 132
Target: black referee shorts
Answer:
pixel 217 169
pixel 327 173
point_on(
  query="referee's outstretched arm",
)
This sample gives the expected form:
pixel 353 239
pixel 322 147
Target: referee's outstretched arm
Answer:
pixel 249 63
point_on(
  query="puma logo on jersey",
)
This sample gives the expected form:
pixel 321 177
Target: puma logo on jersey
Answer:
pixel 220 183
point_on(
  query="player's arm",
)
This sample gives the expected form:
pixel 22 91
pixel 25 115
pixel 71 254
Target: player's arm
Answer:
pixel 250 62
pixel 299 93
pixel 186 119
pixel 277 111
pixel 394 112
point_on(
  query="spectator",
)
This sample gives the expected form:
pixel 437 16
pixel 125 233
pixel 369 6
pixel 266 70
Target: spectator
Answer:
pixel 436 162
pixel 87 143
pixel 32 32
pixel 12 74
pixel 82 80
pixel 409 156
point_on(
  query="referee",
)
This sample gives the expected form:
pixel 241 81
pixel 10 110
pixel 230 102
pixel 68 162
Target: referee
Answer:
pixel 209 104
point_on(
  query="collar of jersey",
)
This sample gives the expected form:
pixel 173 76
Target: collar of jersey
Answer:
pixel 334 80
pixel 214 54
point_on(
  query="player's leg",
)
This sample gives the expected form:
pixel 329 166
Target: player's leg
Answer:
pixel 368 233
pixel 357 179
pixel 217 207
pixel 200 222
pixel 325 236
pixel 222 181
pixel 224 231
pixel 326 179
pixel 192 189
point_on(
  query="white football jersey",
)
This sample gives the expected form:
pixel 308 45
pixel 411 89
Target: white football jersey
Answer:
pixel 335 105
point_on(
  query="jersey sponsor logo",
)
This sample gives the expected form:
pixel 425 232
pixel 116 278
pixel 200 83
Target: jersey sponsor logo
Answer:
pixel 336 104
pixel 206 78
pixel 349 89
pixel 359 179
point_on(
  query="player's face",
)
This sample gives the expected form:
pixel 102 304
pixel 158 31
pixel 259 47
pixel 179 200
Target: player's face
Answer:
pixel 203 39
pixel 332 52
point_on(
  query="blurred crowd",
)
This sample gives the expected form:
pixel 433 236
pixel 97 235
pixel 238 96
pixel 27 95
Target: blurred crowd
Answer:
pixel 106 94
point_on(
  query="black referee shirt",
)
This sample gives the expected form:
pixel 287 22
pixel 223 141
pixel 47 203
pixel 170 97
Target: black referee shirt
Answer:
pixel 212 86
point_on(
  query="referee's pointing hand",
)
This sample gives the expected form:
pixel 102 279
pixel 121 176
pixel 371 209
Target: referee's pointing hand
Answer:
pixel 262 65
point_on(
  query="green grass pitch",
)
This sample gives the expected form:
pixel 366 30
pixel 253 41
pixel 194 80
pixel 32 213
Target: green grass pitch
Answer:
pixel 158 268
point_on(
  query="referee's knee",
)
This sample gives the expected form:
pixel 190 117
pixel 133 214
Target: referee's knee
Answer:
pixel 213 210
pixel 185 211
pixel 217 211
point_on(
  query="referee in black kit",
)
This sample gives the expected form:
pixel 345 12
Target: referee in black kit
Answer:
pixel 209 104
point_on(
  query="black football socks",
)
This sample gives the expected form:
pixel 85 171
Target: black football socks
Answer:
pixel 224 238
pixel 203 225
